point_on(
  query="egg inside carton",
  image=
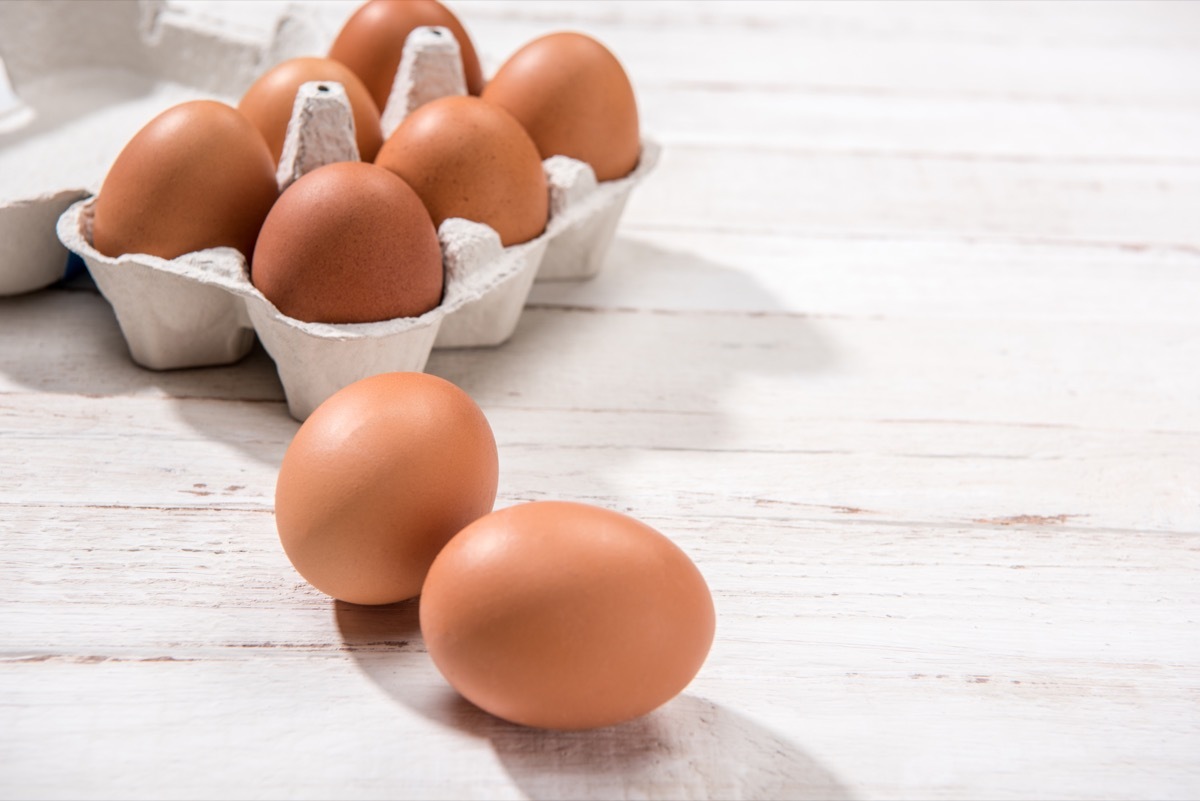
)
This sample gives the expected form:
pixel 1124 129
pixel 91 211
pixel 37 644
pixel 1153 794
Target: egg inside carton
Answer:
pixel 201 309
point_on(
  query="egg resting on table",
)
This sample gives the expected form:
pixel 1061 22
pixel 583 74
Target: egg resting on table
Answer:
pixel 378 479
pixel 565 616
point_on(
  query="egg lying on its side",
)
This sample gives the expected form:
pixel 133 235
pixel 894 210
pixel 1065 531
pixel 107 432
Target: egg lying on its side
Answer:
pixel 470 159
pixel 268 102
pixel 565 616
pixel 372 42
pixel 573 97
pixel 197 176
pixel 349 243
pixel 378 479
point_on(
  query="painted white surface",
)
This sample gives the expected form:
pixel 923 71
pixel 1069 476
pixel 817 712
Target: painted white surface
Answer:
pixel 900 343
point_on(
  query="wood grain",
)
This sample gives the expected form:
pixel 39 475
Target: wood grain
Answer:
pixel 900 344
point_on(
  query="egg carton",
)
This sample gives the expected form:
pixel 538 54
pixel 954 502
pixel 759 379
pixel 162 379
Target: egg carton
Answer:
pixel 90 74
pixel 85 77
pixel 201 309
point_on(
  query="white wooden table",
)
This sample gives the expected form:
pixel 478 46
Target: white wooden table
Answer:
pixel 901 344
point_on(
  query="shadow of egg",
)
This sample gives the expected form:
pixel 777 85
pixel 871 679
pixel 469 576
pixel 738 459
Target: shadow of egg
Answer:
pixel 386 644
pixel 656 328
pixel 688 748
pixel 67 341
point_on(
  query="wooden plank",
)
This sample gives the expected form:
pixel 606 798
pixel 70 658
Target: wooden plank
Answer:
pixel 1069 373
pixel 941 278
pixel 1140 54
pixel 781 57
pixel 977 128
pixel 800 192
pixel 574 418
pixel 1112 24
pixel 851 630
pixel 842 358
pixel 225 586
pixel 68 342
pixel 930 472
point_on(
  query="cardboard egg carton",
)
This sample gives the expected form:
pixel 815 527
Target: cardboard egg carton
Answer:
pixel 85 76
pixel 201 309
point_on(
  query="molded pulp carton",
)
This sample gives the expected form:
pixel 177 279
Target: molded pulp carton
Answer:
pixel 201 308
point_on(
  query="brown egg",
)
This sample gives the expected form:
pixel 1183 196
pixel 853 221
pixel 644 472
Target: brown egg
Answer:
pixel 268 103
pixel 565 616
pixel 349 243
pixel 197 176
pixel 378 479
pixel 372 41
pixel 575 99
pixel 470 159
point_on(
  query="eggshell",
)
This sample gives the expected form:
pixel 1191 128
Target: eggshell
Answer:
pixel 268 102
pixel 574 98
pixel 565 616
pixel 470 159
pixel 349 243
pixel 378 479
pixel 372 42
pixel 197 176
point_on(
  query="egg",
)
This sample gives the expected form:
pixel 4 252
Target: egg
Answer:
pixel 574 99
pixel 565 616
pixel 372 41
pixel 268 102
pixel 471 159
pixel 349 243
pixel 378 479
pixel 197 176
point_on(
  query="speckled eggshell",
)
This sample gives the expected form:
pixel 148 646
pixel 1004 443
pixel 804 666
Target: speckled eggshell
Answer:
pixel 471 159
pixel 349 243
pixel 565 616
pixel 574 98
pixel 268 102
pixel 378 479
pixel 372 42
pixel 197 176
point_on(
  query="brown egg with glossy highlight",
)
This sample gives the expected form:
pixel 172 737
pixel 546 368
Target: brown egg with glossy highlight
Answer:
pixel 378 479
pixel 565 616
pixel 197 176
pixel 269 101
pixel 372 42
pixel 349 243
pixel 468 158
pixel 574 98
